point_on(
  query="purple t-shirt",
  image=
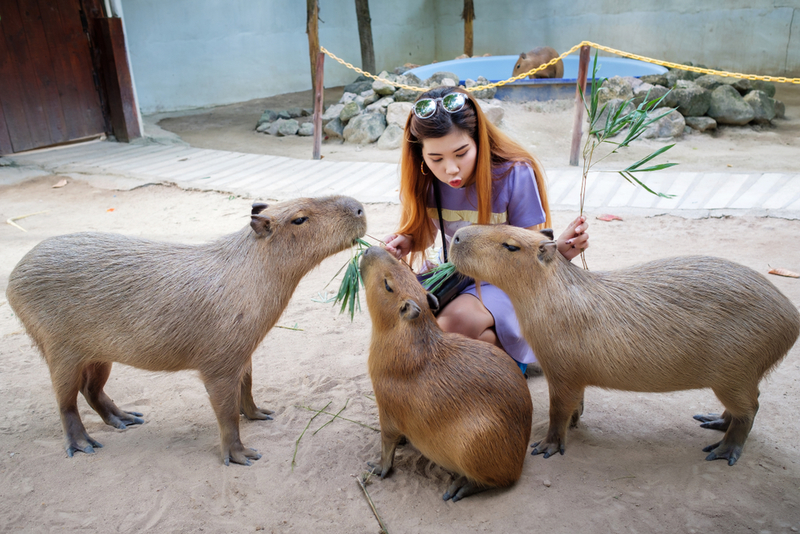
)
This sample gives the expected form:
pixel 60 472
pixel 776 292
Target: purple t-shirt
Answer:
pixel 515 201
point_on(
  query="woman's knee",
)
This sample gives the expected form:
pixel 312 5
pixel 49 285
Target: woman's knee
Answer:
pixel 467 316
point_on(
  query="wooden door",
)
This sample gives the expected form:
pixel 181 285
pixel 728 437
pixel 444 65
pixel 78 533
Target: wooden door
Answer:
pixel 47 87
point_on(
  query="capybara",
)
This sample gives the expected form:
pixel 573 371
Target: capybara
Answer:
pixel 462 403
pixel 90 299
pixel 667 325
pixel 539 56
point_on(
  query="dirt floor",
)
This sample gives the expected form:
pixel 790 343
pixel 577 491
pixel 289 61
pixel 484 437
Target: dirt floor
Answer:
pixel 634 464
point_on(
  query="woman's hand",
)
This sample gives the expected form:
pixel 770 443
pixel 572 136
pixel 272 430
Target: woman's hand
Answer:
pixel 574 239
pixel 398 245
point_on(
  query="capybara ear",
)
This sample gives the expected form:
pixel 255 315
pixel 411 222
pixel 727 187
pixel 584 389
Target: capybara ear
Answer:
pixel 523 55
pixel 261 225
pixel 433 302
pixel 547 232
pixel 409 310
pixel 548 251
pixel 258 207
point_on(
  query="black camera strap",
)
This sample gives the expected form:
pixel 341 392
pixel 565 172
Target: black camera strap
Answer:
pixel 437 196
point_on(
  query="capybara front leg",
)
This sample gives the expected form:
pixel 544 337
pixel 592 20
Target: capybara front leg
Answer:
pixel 565 403
pixel 94 378
pixel 224 395
pixel 462 487
pixel 66 379
pixel 741 406
pixel 389 441
pixel 247 405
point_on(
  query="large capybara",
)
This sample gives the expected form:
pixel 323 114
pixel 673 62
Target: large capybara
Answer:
pixel 539 56
pixel 667 325
pixel 90 299
pixel 462 403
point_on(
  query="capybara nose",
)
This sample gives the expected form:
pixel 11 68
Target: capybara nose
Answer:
pixel 457 239
pixel 354 206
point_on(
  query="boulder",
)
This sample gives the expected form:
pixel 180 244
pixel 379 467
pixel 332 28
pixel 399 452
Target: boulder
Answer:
pixel 437 79
pixel 350 110
pixel 763 106
pixel 611 107
pixel 263 126
pixel 306 129
pixel 670 125
pixel 269 115
pixel 485 94
pixel 410 78
pixel 348 97
pixel 398 112
pixel 728 107
pixel 767 88
pixel 690 99
pixel 369 97
pixel 780 110
pixel 334 129
pixel 650 92
pixel 283 127
pixel 614 88
pixel 383 88
pixel 332 112
pixel 655 79
pixel 406 95
pixel 391 138
pixel 294 112
pixel 701 124
pixel 380 106
pixel 361 84
pixel 710 81
pixel 493 110
pixel 365 128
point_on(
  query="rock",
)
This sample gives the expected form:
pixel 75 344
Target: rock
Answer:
pixel 614 88
pixel 701 124
pixel 437 79
pixel 633 81
pixel 263 126
pixel 391 138
pixel 349 111
pixel 484 94
pixel 361 84
pixel 767 88
pixel 655 79
pixel 690 99
pixel 306 129
pixel 284 127
pixel 780 110
pixel 670 125
pixel 763 106
pixel 382 88
pixel 410 79
pixel 447 82
pixel 674 75
pixel 347 98
pixel 710 81
pixel 380 106
pixel 406 95
pixel 332 112
pixel 294 112
pixel 649 92
pixel 334 129
pixel 307 112
pixel 283 114
pixel 612 107
pixel 370 97
pixel 269 115
pixel 398 112
pixel 493 110
pixel 365 128
pixel 728 107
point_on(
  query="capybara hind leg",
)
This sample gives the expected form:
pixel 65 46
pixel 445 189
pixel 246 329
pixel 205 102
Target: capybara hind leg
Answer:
pixel 714 421
pixel 390 438
pixel 564 405
pixel 224 395
pixel 462 487
pixel 742 405
pixel 94 378
pixel 247 405
pixel 66 384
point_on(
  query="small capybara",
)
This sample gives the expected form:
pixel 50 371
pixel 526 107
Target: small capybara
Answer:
pixel 667 325
pixel 462 403
pixel 539 56
pixel 90 299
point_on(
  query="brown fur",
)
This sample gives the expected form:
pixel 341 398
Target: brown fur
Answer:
pixel 463 403
pixel 671 324
pixel 539 56
pixel 91 299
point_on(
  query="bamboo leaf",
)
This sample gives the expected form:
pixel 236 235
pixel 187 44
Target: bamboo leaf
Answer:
pixel 648 158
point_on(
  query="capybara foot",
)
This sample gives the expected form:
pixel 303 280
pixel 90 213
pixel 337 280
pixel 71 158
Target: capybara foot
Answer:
pixel 124 419
pixel 462 487
pixel 713 421
pixel 73 447
pixel 724 451
pixel 256 413
pixel 547 449
pixel 376 469
pixel 241 455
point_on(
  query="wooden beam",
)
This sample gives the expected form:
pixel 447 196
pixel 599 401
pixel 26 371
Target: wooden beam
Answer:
pixel 468 15
pixel 312 29
pixel 319 102
pixel 365 36
pixel 577 125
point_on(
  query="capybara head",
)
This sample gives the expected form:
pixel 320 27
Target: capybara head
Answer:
pixel 312 228
pixel 500 254
pixel 394 296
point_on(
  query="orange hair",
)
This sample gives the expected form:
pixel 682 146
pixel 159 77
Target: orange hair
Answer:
pixel 414 185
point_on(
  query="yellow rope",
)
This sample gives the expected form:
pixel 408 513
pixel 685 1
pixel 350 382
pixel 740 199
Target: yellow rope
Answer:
pixel 778 79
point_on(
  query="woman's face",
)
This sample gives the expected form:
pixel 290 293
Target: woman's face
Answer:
pixel 451 158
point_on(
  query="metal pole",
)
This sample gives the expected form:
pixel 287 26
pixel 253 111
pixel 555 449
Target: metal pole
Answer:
pixel 577 125
pixel 318 103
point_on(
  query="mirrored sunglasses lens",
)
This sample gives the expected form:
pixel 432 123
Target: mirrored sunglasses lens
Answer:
pixel 454 102
pixel 425 108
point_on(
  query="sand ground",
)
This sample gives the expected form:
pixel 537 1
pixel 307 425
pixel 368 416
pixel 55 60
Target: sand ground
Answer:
pixel 634 464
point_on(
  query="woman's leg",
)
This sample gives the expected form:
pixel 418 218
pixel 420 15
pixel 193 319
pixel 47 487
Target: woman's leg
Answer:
pixel 467 315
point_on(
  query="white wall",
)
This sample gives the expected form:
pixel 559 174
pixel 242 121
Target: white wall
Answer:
pixel 196 53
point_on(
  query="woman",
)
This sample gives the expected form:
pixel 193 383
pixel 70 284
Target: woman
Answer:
pixel 485 178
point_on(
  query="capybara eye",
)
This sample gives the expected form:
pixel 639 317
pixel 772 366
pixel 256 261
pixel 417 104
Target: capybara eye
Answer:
pixel 300 220
pixel 511 248
pixel 386 283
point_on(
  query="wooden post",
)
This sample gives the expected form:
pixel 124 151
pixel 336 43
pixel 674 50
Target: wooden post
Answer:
pixel 577 125
pixel 312 29
pixel 318 104
pixel 468 15
pixel 365 36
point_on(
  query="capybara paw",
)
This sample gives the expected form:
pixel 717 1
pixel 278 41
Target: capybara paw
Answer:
pixel 547 449
pixel 376 469
pixel 460 488
pixel 125 419
pixel 242 456
pixel 718 451
pixel 261 414
pixel 713 421
pixel 73 447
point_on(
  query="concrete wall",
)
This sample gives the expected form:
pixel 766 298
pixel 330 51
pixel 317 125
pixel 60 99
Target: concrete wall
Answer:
pixel 196 53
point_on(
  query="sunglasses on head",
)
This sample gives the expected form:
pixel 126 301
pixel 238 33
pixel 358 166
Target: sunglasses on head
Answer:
pixel 425 108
